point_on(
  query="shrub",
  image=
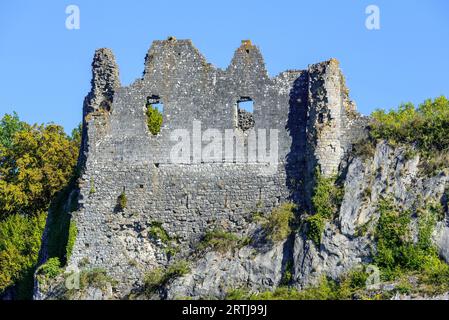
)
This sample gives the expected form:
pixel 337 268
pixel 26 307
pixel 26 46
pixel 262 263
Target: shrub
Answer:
pixel 278 223
pixel 432 164
pixel 159 277
pixel 397 253
pixel 60 224
pixel 315 228
pixel 326 200
pixel 158 232
pixel 364 149
pixel 327 195
pixel 20 240
pixel 154 119
pixel 426 126
pixel 51 268
pixel 288 273
pixel 122 201
pixel 221 241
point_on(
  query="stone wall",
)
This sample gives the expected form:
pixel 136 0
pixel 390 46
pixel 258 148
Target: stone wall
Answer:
pixel 316 124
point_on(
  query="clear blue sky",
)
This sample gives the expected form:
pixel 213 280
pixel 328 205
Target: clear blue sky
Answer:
pixel 45 68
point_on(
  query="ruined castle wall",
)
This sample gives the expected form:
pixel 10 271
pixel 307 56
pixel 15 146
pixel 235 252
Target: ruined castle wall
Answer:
pixel 306 107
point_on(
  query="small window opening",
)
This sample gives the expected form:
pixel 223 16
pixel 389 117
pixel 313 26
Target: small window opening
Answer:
pixel 154 110
pixel 245 117
pixel 141 186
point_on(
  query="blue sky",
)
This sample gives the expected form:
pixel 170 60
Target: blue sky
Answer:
pixel 45 68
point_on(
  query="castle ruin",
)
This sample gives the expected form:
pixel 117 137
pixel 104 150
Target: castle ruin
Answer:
pixel 316 123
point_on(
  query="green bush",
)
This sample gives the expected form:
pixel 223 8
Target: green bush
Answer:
pixel 287 276
pixel 122 201
pixel 327 196
pixel 326 200
pixel 426 126
pixel 92 186
pixel 158 232
pixel 154 119
pixel 278 223
pixel 20 241
pixel 221 241
pixel 315 228
pixel 159 277
pixel 50 269
pixel 397 253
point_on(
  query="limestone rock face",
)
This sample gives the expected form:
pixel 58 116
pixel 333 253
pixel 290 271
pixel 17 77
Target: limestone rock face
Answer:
pixel 216 273
pixel 388 173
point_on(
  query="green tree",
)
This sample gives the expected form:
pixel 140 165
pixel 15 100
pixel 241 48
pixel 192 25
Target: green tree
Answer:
pixel 36 162
pixel 9 125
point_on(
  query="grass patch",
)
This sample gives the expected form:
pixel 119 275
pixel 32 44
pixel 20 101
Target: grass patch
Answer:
pixel 221 241
pixel 158 277
pixel 278 225
pixel 96 277
pixel 327 289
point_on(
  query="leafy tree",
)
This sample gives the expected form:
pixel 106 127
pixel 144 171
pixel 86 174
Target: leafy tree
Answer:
pixel 38 163
pixel 9 125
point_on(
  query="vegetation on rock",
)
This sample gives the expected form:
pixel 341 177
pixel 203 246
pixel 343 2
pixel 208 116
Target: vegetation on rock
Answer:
pixel 50 269
pixel 278 225
pixel 326 200
pixel 160 276
pixel 122 200
pixel 221 241
pixel 399 255
pixel 426 126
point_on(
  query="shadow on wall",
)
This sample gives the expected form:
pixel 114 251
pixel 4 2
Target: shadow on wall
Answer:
pixel 296 127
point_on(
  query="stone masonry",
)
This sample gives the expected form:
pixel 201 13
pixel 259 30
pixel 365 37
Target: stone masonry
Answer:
pixel 316 123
